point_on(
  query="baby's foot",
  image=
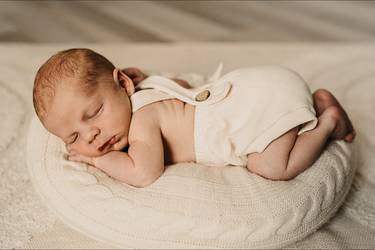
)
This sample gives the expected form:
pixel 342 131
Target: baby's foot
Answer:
pixel 323 100
pixel 335 117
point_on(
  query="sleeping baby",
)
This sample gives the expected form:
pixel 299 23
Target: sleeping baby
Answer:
pixel 131 125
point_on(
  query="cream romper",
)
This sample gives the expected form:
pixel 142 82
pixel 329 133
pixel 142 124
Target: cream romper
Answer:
pixel 238 113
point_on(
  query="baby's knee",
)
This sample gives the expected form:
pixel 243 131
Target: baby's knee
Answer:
pixel 276 171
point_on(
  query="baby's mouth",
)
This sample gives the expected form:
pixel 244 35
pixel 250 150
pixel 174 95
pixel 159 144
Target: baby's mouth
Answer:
pixel 108 143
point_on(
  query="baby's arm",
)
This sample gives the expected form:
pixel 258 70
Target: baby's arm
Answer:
pixel 141 166
pixel 144 162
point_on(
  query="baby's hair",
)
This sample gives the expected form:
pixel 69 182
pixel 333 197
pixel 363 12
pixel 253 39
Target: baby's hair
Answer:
pixel 84 67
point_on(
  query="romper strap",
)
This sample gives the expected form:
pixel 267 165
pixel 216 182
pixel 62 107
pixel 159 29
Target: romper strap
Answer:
pixel 156 88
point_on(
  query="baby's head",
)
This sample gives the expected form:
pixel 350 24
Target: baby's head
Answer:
pixel 83 99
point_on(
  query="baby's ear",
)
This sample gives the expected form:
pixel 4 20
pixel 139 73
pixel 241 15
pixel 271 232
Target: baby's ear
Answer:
pixel 124 81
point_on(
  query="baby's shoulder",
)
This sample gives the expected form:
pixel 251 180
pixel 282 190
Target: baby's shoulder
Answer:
pixel 147 114
pixel 144 121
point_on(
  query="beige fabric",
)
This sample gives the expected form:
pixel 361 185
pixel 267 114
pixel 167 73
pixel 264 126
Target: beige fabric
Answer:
pixel 59 236
pixel 345 69
pixel 156 88
pixel 263 103
pixel 342 232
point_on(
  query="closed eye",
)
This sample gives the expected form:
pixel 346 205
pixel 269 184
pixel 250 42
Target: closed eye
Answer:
pixel 90 117
pixel 96 112
pixel 75 139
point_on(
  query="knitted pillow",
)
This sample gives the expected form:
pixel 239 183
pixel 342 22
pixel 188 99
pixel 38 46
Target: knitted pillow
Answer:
pixel 190 205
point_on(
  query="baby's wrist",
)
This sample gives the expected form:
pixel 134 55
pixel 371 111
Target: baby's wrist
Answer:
pixel 94 161
pixel 99 161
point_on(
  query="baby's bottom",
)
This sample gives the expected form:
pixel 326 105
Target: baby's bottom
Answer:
pixel 289 155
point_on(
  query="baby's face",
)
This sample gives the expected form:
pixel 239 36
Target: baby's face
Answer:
pixel 93 125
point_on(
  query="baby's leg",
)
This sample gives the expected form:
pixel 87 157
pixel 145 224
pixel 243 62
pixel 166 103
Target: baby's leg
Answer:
pixel 289 155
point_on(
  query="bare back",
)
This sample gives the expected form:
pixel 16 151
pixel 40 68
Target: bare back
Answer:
pixel 176 120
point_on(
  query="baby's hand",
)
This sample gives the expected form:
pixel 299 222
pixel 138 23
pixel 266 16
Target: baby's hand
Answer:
pixel 73 156
pixel 135 74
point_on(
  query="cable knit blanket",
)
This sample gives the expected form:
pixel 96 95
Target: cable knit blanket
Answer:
pixel 347 70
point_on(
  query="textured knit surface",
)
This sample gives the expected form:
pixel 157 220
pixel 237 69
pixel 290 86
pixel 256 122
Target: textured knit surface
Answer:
pixel 190 205
pixel 346 70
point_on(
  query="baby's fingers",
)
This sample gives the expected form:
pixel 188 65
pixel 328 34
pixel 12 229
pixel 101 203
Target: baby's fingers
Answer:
pixel 132 72
pixel 80 158
pixel 75 158
pixel 138 79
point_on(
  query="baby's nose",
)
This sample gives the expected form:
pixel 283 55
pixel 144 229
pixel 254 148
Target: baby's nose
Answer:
pixel 91 138
pixel 91 135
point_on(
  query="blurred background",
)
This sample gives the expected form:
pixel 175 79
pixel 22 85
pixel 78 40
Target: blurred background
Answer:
pixel 183 21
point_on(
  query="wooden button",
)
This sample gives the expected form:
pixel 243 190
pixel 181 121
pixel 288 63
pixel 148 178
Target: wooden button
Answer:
pixel 202 96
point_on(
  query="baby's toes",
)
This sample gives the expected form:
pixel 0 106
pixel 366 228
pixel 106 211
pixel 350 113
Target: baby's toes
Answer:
pixel 349 137
pixel 341 129
pixel 350 131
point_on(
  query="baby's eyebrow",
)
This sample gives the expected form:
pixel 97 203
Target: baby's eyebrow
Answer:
pixel 86 113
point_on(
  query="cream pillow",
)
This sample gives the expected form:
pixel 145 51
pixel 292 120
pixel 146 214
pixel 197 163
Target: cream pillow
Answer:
pixel 190 205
